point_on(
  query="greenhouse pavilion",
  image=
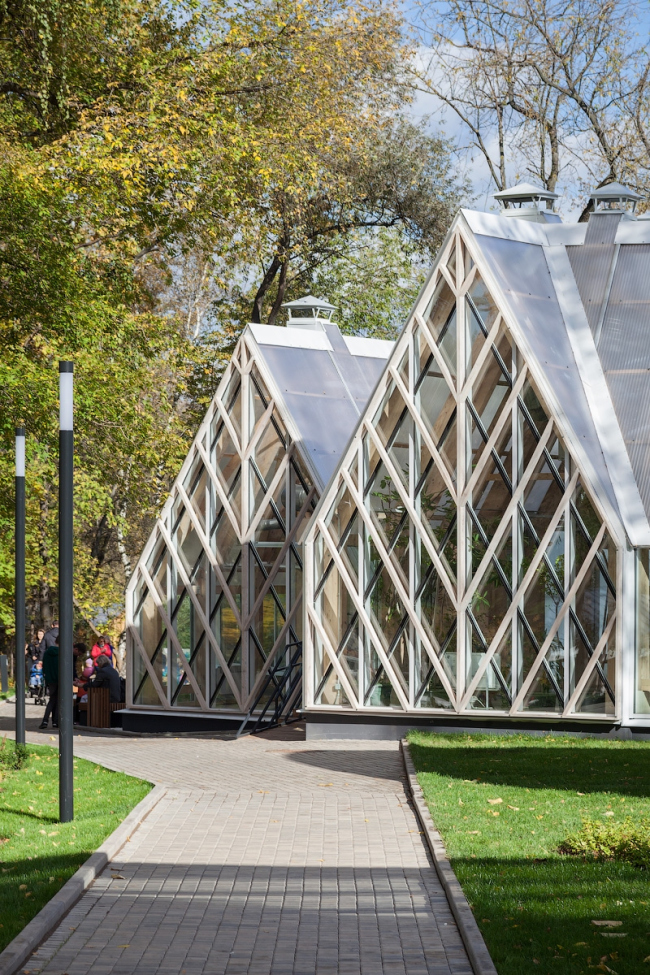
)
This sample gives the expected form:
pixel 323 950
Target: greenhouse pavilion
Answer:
pixel 215 604
pixel 465 513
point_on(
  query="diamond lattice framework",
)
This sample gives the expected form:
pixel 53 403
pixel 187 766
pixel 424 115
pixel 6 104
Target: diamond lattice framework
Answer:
pixel 459 561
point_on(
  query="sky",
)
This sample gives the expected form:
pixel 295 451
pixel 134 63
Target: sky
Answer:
pixel 439 118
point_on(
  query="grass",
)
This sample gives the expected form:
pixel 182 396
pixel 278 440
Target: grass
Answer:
pixel 534 905
pixel 37 853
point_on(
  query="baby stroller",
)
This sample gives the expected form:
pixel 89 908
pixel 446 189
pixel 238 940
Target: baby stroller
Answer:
pixel 37 684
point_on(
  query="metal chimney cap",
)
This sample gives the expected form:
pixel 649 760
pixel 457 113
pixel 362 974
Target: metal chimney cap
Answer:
pixel 525 193
pixel 615 193
pixel 309 302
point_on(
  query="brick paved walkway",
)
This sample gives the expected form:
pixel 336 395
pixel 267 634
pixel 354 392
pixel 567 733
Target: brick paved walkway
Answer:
pixel 267 856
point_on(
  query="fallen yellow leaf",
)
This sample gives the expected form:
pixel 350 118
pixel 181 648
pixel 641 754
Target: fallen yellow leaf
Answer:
pixel 495 802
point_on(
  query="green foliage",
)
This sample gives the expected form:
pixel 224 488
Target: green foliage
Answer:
pixel 504 805
pixel 12 756
pixel 37 853
pixel 141 140
pixel 627 840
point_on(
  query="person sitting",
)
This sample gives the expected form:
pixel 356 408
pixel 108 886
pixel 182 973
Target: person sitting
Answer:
pixel 106 676
pixel 102 646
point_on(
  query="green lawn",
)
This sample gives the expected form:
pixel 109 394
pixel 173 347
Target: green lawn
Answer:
pixel 535 906
pixel 37 853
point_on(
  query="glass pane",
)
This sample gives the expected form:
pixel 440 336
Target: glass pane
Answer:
pixel 389 422
pixel 475 336
pixel 225 543
pixel 437 509
pixel 195 484
pixel 542 603
pixel 542 496
pixel 259 397
pixel 269 618
pixel 268 453
pixel 489 394
pixel 483 303
pixel 494 689
pixel 300 485
pixel 403 369
pixel 224 456
pixel 448 447
pixel 430 692
pixel 434 400
pixel 187 542
pixel 154 639
pixel 380 692
pixel 542 694
pixel 435 606
pixel 468 263
pixel 594 604
pixel 597 695
pixel 440 317
pixel 268 540
pixel 231 398
pixel 534 407
pixel 332 692
pixel 228 636
pixel 343 522
pixel 340 621
pixel 451 261
pixel 385 607
pixel 642 700
pixel 491 600
pixel 585 525
pixel 145 692
pixel 385 504
pixel 490 498
pixel 221 695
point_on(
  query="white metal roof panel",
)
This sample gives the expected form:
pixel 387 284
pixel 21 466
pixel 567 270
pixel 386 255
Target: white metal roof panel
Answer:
pixel 291 338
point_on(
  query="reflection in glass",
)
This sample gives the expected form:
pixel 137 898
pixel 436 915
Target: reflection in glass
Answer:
pixel 642 696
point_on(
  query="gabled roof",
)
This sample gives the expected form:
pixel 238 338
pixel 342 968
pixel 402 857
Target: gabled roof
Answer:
pixel 579 296
pixel 324 380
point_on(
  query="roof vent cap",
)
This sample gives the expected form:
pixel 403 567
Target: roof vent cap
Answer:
pixel 309 312
pixel 527 202
pixel 615 196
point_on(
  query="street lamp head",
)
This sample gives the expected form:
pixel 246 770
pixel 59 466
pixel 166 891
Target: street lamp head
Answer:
pixel 20 451
pixel 66 370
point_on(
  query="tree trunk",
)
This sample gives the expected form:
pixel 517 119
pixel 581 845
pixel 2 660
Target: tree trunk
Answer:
pixel 267 281
pixel 279 298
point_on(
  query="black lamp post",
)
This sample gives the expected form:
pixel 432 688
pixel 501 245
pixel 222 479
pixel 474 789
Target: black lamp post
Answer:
pixel 20 585
pixel 66 605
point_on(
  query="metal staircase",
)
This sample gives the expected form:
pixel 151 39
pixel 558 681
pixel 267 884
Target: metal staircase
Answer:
pixel 284 680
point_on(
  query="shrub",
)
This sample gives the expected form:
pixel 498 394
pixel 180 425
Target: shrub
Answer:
pixel 11 756
pixel 626 840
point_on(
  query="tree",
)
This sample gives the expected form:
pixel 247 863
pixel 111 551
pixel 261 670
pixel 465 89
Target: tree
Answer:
pixel 141 143
pixel 557 85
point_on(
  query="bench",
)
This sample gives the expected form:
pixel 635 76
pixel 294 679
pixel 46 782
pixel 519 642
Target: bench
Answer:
pixel 100 707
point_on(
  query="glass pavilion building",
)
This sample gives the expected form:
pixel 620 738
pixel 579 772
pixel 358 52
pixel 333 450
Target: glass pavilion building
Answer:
pixel 216 599
pixel 482 554
pixel 456 527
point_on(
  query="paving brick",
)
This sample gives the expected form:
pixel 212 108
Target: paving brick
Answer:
pixel 265 857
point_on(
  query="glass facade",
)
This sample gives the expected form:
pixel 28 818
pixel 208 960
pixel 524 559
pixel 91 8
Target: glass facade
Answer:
pixel 218 595
pixel 642 661
pixel 459 561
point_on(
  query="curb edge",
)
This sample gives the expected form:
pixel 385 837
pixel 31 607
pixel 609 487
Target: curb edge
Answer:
pixel 41 926
pixel 470 932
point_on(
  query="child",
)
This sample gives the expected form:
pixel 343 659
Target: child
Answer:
pixel 36 685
